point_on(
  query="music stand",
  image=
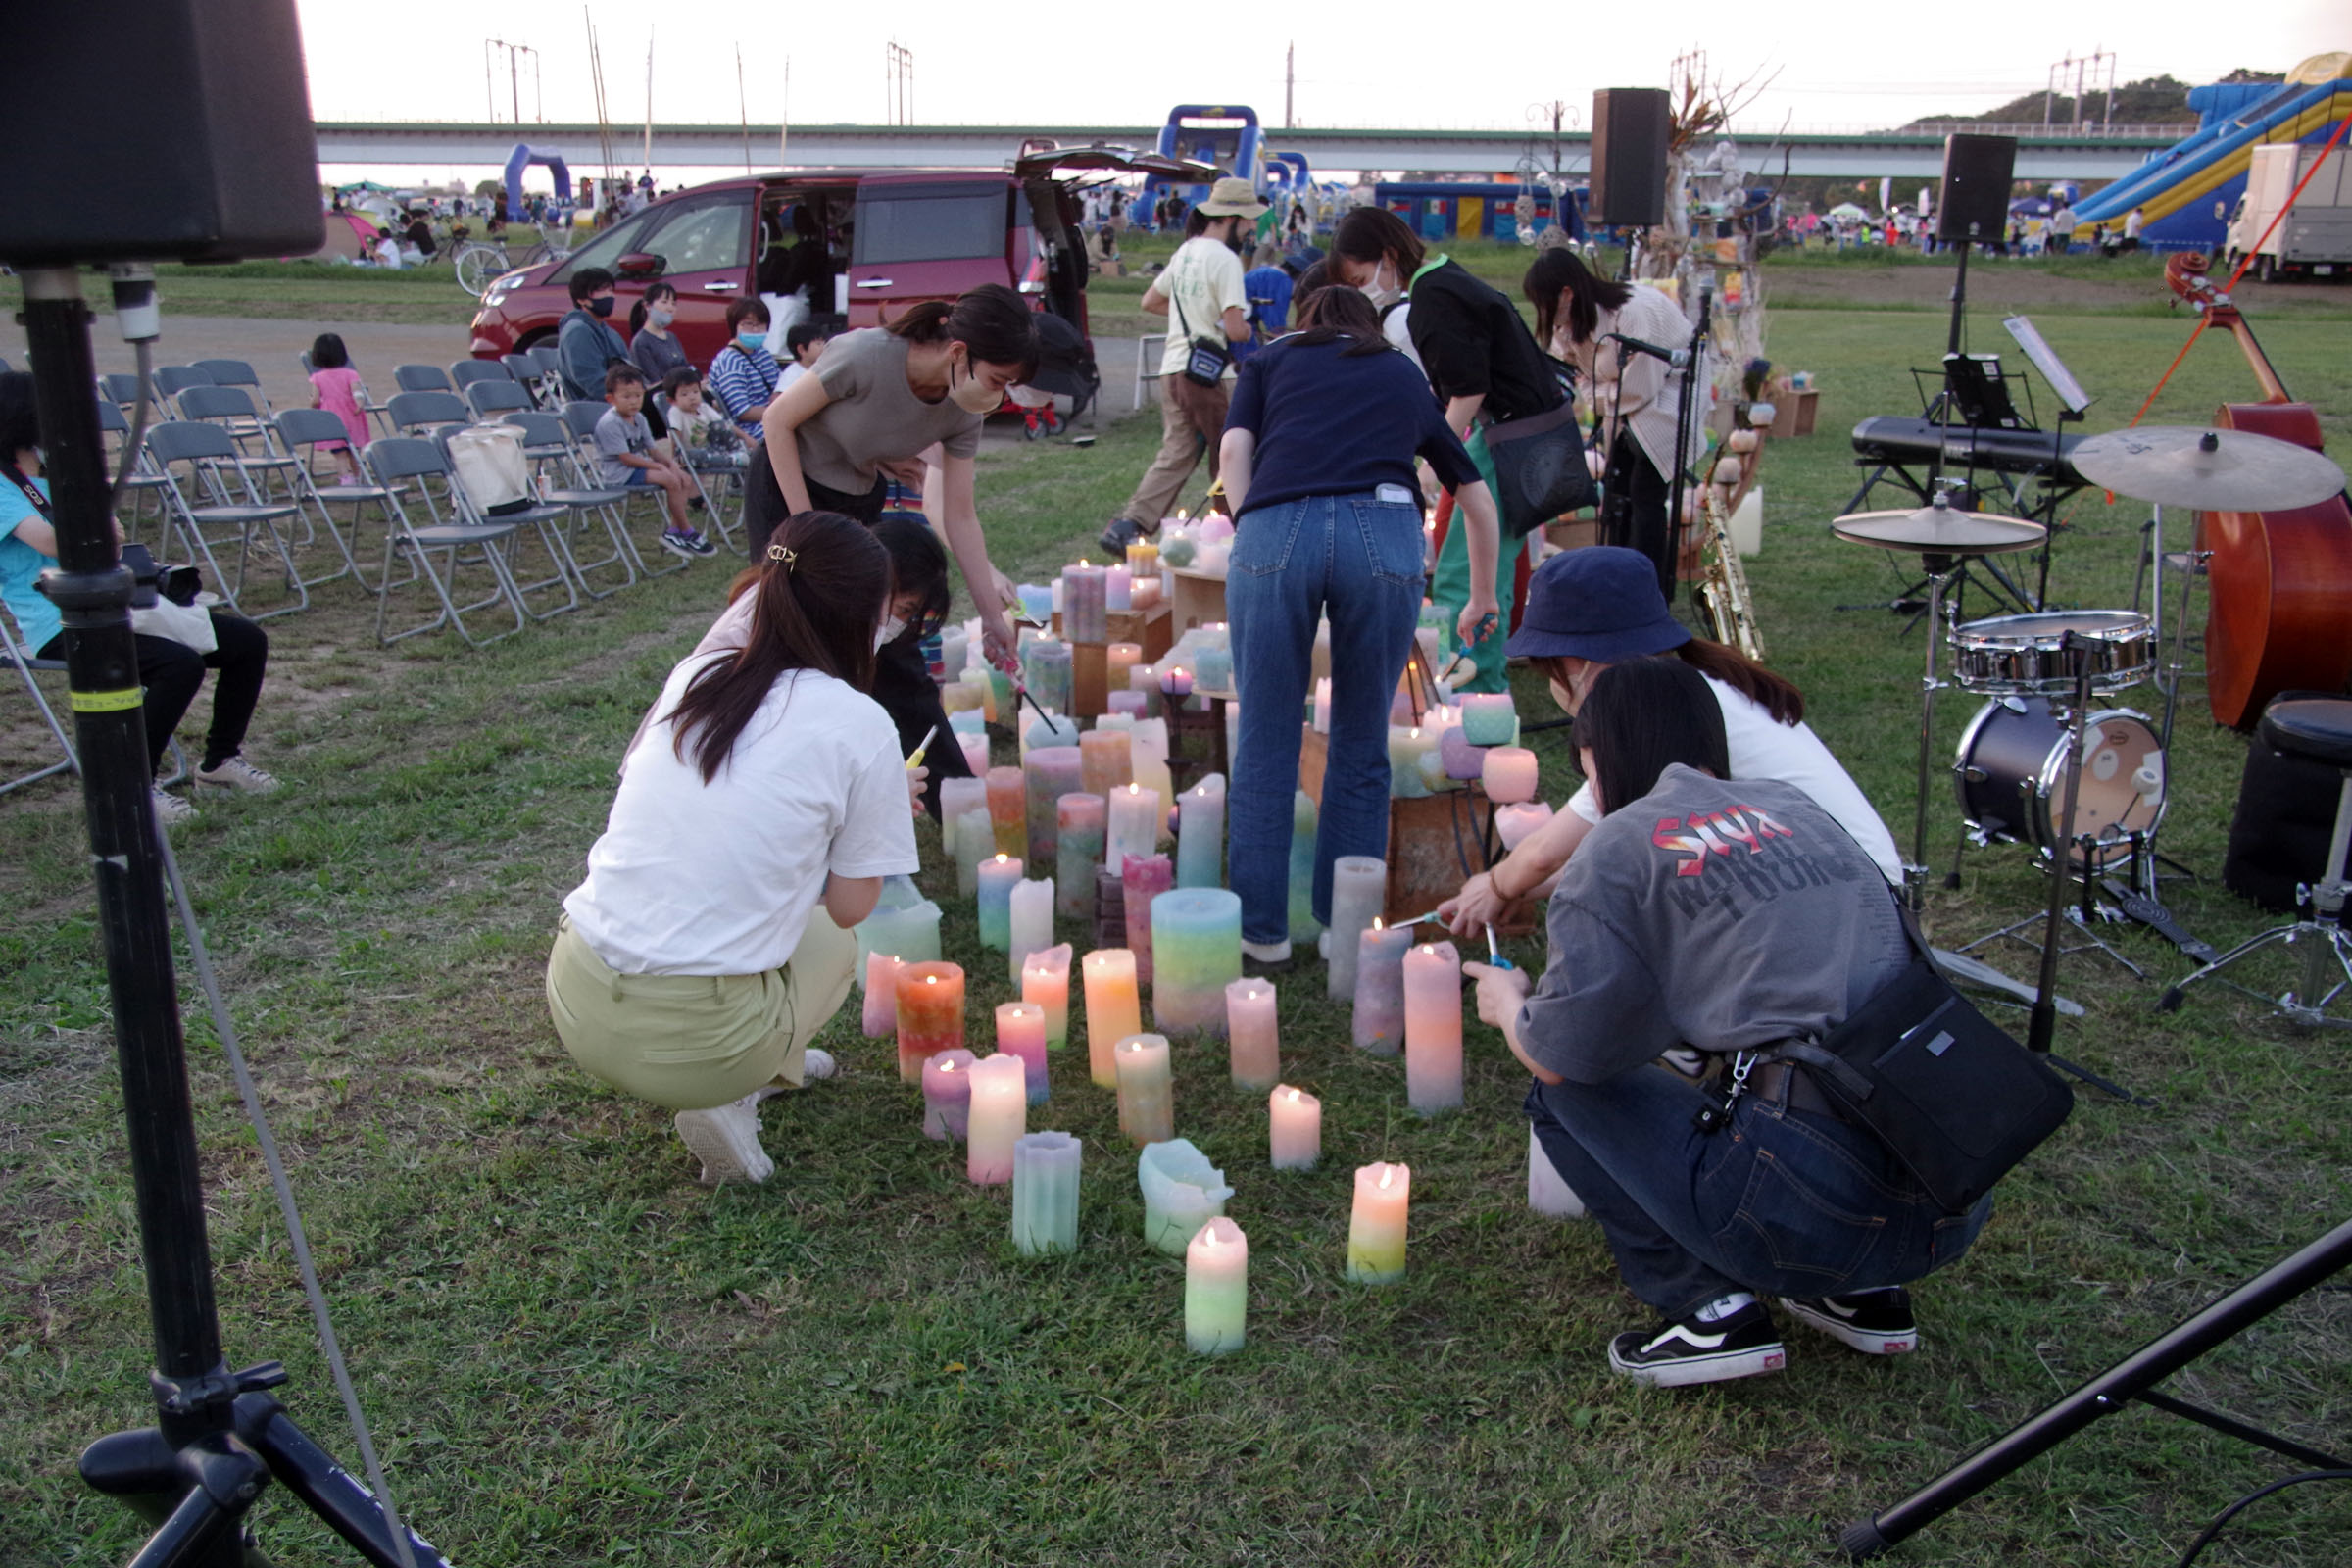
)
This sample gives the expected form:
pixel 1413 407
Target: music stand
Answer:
pixel 2073 403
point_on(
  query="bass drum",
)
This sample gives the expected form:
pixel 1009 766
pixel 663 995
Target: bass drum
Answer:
pixel 2011 777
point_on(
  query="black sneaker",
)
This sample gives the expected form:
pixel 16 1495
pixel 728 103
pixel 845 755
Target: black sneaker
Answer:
pixel 1874 1322
pixel 686 542
pixel 1121 533
pixel 1740 1345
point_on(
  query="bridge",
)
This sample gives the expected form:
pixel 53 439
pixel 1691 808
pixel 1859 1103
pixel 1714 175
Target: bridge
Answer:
pixel 2058 154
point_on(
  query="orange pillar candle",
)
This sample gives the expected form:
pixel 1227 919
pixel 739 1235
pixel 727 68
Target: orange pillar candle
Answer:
pixel 930 1014
pixel 1009 810
pixel 1114 1011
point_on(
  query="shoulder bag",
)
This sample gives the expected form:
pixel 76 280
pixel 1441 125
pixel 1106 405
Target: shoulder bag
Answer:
pixel 1206 358
pixel 1540 469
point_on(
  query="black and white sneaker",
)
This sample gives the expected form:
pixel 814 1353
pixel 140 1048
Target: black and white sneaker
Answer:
pixel 1874 1322
pixel 1122 532
pixel 1740 1345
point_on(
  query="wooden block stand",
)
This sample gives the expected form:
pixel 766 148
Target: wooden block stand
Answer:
pixel 1433 841
pixel 1090 665
pixel 1150 629
pixel 1200 601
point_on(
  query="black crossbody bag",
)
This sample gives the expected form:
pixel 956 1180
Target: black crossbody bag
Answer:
pixel 1206 358
pixel 1539 470
pixel 1950 1093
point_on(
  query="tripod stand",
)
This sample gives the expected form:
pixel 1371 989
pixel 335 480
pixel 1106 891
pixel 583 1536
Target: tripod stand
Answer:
pixel 219 1436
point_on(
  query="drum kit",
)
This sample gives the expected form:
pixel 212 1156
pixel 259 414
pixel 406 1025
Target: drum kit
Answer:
pixel 2039 764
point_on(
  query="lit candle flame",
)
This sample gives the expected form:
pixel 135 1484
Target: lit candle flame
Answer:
pixel 930 979
pixel 1429 949
pixel 1002 857
pixel 946 1066
pixel 1208 1236
pixel 1387 1175
pixel 1294 1097
pixel 1415 734
pixel 1375 918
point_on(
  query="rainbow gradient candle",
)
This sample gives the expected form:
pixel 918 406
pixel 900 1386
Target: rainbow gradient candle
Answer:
pixel 1294 1128
pixel 1052 772
pixel 1000 1116
pixel 881 996
pixel 1379 1017
pixel 930 1014
pixel 1196 952
pixel 1045 1194
pixel 1046 981
pixel 1021 1032
pixel 1252 1033
pixel 1146 1089
pixel 1407 744
pixel 998 878
pixel 1009 809
pixel 1080 821
pixel 1376 1225
pixel 1432 1028
pixel 947 1096
pixel 1216 1289
pixel 1201 837
pixel 1113 1010
pixel 1147 879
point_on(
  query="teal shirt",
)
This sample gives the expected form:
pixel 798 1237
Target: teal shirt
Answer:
pixel 37 619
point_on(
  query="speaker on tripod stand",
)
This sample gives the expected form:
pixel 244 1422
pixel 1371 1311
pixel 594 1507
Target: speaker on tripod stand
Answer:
pixel 139 133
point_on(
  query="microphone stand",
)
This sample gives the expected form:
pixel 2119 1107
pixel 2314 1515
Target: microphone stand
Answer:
pixel 1685 411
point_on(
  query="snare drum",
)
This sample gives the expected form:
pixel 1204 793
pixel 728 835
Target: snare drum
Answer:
pixel 2022 655
pixel 2011 776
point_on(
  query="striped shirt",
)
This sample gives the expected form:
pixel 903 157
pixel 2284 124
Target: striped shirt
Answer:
pixel 742 380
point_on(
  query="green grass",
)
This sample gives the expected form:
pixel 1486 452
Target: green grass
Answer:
pixel 572 1355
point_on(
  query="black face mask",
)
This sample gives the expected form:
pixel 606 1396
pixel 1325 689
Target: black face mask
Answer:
pixel 602 305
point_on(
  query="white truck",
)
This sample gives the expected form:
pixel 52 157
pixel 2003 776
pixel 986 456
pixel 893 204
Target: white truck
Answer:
pixel 2316 239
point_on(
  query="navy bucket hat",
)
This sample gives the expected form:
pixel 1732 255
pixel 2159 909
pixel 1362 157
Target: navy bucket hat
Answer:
pixel 1600 602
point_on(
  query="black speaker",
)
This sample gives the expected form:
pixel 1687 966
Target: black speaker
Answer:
pixel 157 131
pixel 1629 130
pixel 1977 173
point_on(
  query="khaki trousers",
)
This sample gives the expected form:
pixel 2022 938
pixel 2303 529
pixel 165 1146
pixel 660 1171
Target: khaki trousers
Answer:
pixel 692 1042
pixel 1192 418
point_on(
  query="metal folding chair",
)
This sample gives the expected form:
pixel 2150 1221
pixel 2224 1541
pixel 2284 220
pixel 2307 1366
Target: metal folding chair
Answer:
pixel 210 458
pixel 232 408
pixel 728 474
pixel 14 655
pixel 548 520
pixel 304 431
pixel 581 418
pixel 426 412
pixel 489 400
pixel 120 389
pixel 530 378
pixel 468 373
pixel 420 379
pixel 236 372
pixel 442 539
pixel 547 441
pixel 171 380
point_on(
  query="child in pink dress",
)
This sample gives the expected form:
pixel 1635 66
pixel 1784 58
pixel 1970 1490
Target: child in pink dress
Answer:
pixel 336 387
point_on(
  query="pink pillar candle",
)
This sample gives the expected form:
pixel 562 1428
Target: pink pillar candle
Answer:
pixel 1250 1028
pixel 1510 776
pixel 1021 1032
pixel 947 1096
pixel 1177 682
pixel 1294 1130
pixel 1146 878
pixel 1046 981
pixel 1114 1010
pixel 930 1014
pixel 1515 822
pixel 1009 809
pixel 975 755
pixel 1432 1028
pixel 1000 1117
pixel 881 994
pixel 1121 700
pixel 1379 1018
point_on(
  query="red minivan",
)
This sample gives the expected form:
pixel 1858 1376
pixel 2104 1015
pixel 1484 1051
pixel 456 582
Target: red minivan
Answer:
pixel 887 239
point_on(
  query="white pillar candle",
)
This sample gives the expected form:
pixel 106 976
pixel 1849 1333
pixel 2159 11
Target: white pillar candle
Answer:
pixel 1134 814
pixel 999 1116
pixel 1546 1194
pixel 975 837
pixel 1146 1092
pixel 1376 1225
pixel 1216 1289
pixel 1432 1028
pixel 1359 888
pixel 1510 776
pixel 1251 1027
pixel 1182 1191
pixel 1294 1132
pixel 1032 921
pixel 1045 1194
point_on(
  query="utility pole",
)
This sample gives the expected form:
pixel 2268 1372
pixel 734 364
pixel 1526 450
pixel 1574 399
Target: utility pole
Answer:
pixel 649 101
pixel 899 83
pixel 515 52
pixel 1290 78
pixel 743 110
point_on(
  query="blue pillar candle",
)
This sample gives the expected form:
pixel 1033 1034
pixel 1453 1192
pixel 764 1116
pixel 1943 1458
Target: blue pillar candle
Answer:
pixel 1213 668
pixel 1196 952
pixel 1044 1193
pixel 1303 817
pixel 998 876
pixel 1201 834
pixel 1036 600
pixel 1489 719
pixel 1046 666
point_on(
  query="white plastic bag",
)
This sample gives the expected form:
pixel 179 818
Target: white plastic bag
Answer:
pixel 491 468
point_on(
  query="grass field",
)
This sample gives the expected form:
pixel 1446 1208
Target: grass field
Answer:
pixel 574 1354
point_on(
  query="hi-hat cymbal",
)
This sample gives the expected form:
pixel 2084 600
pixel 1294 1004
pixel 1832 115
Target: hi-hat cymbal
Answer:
pixel 1939 529
pixel 2209 470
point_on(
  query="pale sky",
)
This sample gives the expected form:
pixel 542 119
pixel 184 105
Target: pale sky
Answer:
pixel 1841 64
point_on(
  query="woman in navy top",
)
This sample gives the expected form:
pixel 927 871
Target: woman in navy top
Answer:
pixel 1317 458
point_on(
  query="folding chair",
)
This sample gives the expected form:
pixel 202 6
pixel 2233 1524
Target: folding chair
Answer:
pixel 550 360
pixel 563 571
pixel 490 398
pixel 530 378
pixel 121 390
pixel 420 379
pixel 171 380
pixel 729 473
pixel 467 373
pixel 458 543
pixel 232 408
pixel 547 439
pixel 12 653
pixel 210 457
pixel 426 413
pixel 304 431
pixel 142 482
pixel 580 417
pixel 236 372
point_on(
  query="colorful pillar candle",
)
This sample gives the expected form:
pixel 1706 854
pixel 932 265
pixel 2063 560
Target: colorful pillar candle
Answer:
pixel 1000 1116
pixel 1079 822
pixel 930 1014
pixel 1036 600
pixel 1510 776
pixel 1119 658
pixel 1106 760
pixel 1432 1028
pixel 1046 670
pixel 1376 1228
pixel 1143 558
pixel 1134 828
pixel 1379 1018
pixel 1113 1010
pixel 1489 719
pixel 1132 703
pixel 958 796
pixel 1052 727
pixel 975 838
pixel 1045 1194
pixel 1359 891
pixel 1150 739
pixel 998 878
pixel 983 690
pixel 975 754
pixel 1407 743
pixel 1303 817
pixel 1216 1289
pixel 1176 682
pixel 1515 822
pixel 1182 1191
pixel 1546 1194
pixel 1146 1089
pixel 947 1096
pixel 1294 1129
pixel 1200 840
pixel 1213 668
pixel 1021 1032
pixel 1009 809
pixel 1251 1034
pixel 881 994
pixel 1463 761
pixel 1046 981
pixel 909 931
pixel 1052 772
pixel 1146 878
pixel 1029 918
pixel 1084 599
pixel 1196 952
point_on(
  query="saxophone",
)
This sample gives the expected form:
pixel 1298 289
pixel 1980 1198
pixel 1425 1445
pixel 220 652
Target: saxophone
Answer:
pixel 1722 588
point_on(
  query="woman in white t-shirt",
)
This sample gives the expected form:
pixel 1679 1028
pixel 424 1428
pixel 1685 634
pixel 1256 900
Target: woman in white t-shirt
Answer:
pixel 760 809
pixel 1593 607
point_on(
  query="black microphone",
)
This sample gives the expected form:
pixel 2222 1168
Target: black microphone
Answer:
pixel 1680 359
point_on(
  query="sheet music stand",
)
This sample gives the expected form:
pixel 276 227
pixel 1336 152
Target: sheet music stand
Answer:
pixel 2073 403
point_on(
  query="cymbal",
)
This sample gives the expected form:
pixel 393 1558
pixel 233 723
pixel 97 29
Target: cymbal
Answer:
pixel 2210 471
pixel 1939 529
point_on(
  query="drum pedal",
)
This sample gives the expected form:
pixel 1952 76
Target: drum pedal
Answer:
pixel 2157 918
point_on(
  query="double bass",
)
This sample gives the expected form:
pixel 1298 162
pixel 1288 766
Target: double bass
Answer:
pixel 2280 583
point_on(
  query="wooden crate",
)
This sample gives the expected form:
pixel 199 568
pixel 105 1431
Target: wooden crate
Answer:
pixel 1794 413
pixel 1433 841
pixel 1200 600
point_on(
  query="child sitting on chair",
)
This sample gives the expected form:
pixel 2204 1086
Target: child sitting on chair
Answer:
pixel 626 456
pixel 705 438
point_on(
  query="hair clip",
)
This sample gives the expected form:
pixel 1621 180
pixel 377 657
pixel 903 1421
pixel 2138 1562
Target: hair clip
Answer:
pixel 785 553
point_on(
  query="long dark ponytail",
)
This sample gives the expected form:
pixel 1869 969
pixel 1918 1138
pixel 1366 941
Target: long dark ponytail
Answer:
pixel 819 599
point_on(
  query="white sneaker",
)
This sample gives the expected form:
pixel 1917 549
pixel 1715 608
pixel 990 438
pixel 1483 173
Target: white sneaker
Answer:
pixel 726 1140
pixel 236 774
pixel 169 808
pixel 818 1063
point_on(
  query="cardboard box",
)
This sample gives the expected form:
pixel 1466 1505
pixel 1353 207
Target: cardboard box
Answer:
pixel 1200 600
pixel 1794 413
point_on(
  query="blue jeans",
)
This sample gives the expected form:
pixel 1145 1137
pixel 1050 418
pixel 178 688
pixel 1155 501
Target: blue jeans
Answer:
pixel 1781 1202
pixel 1358 560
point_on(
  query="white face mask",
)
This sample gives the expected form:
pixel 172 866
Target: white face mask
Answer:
pixel 972 395
pixel 1383 290
pixel 888 632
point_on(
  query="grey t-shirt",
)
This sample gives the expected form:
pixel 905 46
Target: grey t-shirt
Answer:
pixel 614 436
pixel 875 417
pixel 1722 914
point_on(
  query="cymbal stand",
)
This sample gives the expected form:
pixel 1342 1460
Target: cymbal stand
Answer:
pixel 1939 569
